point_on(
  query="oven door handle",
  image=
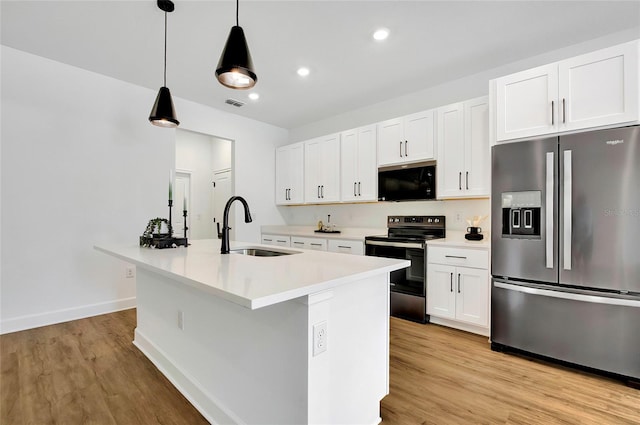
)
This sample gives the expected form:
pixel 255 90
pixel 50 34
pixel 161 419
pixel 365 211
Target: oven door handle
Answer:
pixel 395 244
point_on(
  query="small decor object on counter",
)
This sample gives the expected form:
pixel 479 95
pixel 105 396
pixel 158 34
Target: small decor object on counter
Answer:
pixel 474 232
pixel 327 228
pixel 154 237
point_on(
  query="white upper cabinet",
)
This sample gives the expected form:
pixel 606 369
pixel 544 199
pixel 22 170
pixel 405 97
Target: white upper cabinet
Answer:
pixel 359 171
pixel 407 139
pixel 289 174
pixel 593 90
pixel 463 164
pixel 322 169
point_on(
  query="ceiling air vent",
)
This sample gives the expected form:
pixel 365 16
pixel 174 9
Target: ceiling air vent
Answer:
pixel 234 102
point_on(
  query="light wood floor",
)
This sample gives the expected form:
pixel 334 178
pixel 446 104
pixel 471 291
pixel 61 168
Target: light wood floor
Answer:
pixel 89 372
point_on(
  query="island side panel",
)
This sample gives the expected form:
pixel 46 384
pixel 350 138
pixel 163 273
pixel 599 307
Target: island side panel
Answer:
pixel 234 364
pixel 348 380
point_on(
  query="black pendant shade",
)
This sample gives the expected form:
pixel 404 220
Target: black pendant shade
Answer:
pixel 163 113
pixel 235 67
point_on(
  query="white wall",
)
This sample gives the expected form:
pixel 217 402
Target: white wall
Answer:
pixel 453 91
pixel 221 152
pixel 81 165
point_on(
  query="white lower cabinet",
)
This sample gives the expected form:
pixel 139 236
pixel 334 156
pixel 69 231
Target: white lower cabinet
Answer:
pixel 309 243
pixel 346 247
pixel 279 240
pixel 458 286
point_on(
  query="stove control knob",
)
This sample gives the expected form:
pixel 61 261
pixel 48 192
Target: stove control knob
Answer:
pixel 429 220
pixel 436 220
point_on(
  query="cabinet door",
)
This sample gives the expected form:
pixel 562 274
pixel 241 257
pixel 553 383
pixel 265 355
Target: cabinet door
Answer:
pixel 441 298
pixel 477 158
pixel 419 137
pixel 330 168
pixel 349 165
pixel 367 182
pixel 296 173
pixel 278 240
pixel 312 176
pixel 346 247
pixel 599 88
pixel 472 295
pixel 390 142
pixel 526 103
pixel 289 174
pixel 450 179
pixel 316 244
pixel 283 172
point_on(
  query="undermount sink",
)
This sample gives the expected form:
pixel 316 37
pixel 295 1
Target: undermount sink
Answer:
pixel 261 252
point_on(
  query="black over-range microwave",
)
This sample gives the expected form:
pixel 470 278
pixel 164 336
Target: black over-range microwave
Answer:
pixel 407 183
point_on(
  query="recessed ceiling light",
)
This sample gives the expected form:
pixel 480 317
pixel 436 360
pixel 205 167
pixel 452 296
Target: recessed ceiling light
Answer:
pixel 303 72
pixel 254 96
pixel 381 34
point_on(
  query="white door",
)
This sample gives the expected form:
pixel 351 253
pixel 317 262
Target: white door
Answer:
pixel 526 103
pixel 181 199
pixel 450 151
pixel 599 88
pixel 477 151
pixel 419 136
pixel 441 299
pixel 222 191
pixel 472 295
pixel 390 142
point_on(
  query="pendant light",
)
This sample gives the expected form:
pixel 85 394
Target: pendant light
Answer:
pixel 235 68
pixel 163 114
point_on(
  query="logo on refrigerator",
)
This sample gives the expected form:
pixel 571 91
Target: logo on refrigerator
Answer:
pixel 614 142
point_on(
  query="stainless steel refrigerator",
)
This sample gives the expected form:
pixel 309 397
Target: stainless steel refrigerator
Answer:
pixel 565 257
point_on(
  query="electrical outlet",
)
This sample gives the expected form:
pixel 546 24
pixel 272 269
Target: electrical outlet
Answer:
pixel 130 272
pixel 180 320
pixel 458 216
pixel 319 338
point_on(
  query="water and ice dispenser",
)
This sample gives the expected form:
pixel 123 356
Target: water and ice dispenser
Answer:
pixel 521 214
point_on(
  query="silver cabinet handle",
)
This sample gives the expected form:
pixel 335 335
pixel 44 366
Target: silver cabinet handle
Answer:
pixel 281 241
pixel 318 191
pixel 344 247
pixel 549 209
pixel 467 179
pixel 354 189
pixel 458 283
pixel 567 183
pixel 315 244
pixel 564 112
pixel 400 148
pixel 553 121
pixel 267 240
pixel 298 243
pixel 451 283
pixel 359 187
pixel 405 148
pixel 322 191
pixel 460 180
pixel 456 256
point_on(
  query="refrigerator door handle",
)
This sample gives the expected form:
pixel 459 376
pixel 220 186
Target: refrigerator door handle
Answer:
pixel 549 210
pixel 566 225
pixel 598 299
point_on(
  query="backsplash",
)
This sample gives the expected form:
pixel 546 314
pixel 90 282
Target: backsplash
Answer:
pixel 374 215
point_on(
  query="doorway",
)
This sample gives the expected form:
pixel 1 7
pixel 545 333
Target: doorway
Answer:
pixel 204 159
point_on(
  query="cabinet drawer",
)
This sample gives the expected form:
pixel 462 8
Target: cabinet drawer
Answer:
pixel 279 240
pixel 458 257
pixel 346 247
pixel 309 243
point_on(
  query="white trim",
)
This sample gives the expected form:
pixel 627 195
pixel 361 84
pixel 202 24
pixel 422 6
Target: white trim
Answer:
pixel 188 386
pixel 479 330
pixel 31 321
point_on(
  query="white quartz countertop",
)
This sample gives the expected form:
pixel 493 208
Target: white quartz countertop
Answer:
pixel 346 233
pixel 455 239
pixel 254 282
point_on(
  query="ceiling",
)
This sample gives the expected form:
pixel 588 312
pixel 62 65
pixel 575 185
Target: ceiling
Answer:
pixel 430 42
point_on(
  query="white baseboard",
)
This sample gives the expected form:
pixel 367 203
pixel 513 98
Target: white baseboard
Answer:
pixel 205 403
pixel 31 321
pixel 459 325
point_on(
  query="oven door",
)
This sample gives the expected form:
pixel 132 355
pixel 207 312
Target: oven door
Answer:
pixel 411 280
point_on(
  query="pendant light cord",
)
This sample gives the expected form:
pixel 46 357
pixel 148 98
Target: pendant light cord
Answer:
pixel 165 49
pixel 237 7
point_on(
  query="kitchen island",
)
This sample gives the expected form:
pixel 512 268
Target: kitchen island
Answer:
pixel 292 339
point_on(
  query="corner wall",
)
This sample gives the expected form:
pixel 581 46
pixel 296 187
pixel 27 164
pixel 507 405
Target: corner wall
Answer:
pixel 81 165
